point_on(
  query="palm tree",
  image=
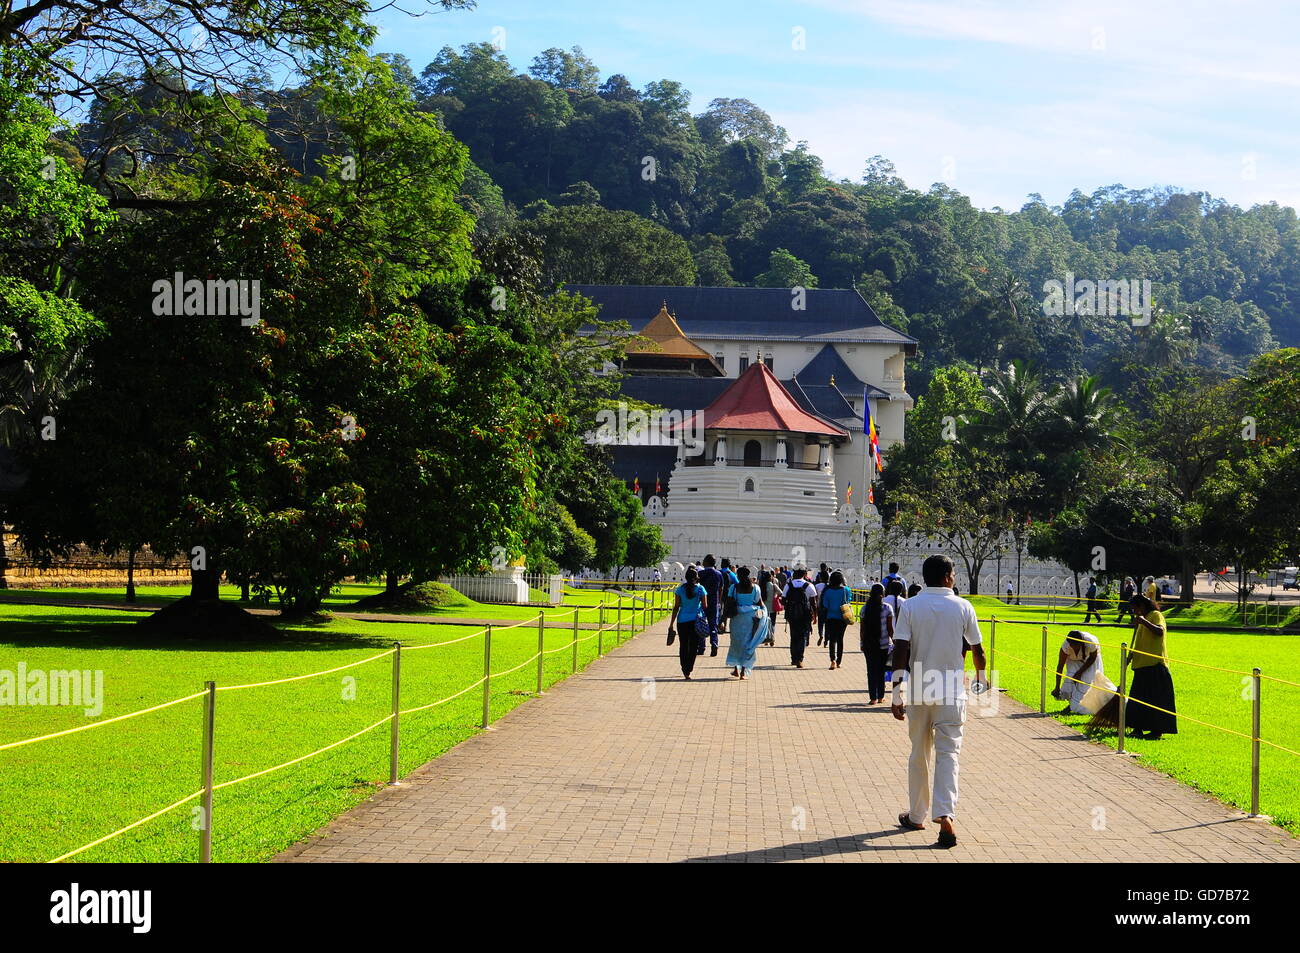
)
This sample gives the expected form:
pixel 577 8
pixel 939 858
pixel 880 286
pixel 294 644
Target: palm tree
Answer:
pixel 1020 406
pixel 33 388
pixel 1166 341
pixel 1084 414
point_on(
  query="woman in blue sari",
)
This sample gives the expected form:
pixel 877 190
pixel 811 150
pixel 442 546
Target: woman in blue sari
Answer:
pixel 748 626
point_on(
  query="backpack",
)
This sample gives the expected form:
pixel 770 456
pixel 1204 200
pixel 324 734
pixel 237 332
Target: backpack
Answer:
pixel 798 607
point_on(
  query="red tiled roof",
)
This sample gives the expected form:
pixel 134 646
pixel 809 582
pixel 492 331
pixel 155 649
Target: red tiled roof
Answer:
pixel 757 401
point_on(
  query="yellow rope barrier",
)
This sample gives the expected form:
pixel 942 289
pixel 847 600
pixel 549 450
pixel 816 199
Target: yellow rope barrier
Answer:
pixel 123 830
pixel 502 628
pixel 1133 651
pixel 279 767
pixel 434 645
pixel 1130 698
pixel 101 724
pixel 443 701
pixel 299 678
pixel 517 667
pixel 258 774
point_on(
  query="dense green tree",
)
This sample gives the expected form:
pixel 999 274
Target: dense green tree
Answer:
pixel 784 270
pixel 586 244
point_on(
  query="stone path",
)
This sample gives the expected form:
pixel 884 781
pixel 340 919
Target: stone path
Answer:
pixel 788 765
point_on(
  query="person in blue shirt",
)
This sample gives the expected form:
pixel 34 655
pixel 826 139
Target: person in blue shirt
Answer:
pixel 713 582
pixel 729 579
pixel 833 597
pixel 892 575
pixel 690 603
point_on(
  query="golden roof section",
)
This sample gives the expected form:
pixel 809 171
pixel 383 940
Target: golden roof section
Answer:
pixel 662 335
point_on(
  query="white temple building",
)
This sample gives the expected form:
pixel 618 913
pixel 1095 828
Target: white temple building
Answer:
pixel 773 386
pixel 763 490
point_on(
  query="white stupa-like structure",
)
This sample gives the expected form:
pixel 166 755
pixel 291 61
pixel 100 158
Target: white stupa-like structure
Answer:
pixel 763 490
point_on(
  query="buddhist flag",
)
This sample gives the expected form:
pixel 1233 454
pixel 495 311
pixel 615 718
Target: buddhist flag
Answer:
pixel 658 487
pixel 869 431
pixel 850 495
pixel 871 496
pixel 636 484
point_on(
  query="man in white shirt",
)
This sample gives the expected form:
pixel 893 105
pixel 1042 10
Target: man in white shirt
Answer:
pixel 928 653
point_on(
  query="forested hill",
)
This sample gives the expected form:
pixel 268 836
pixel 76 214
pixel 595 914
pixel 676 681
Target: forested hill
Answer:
pixel 626 185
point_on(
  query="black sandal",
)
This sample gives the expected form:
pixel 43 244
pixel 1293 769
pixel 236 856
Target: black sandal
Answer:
pixel 905 821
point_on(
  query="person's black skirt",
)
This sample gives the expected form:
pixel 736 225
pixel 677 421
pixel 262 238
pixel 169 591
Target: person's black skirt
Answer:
pixel 1152 684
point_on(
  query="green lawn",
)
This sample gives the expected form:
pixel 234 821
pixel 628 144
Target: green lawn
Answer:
pixel 59 794
pixel 1213 761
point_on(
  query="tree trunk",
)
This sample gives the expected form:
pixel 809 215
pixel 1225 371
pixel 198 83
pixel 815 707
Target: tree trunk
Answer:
pixel 1187 582
pixel 205 584
pixel 1077 594
pixel 243 591
pixel 130 575
pixel 390 583
pixel 4 560
pixel 1243 594
pixel 975 578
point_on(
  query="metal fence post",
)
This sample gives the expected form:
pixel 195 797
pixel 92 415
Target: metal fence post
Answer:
pixel 394 731
pixel 487 674
pixel 541 644
pixel 1042 678
pixel 600 632
pixel 993 642
pixel 209 732
pixel 1123 691
pixel 1254 746
pixel 575 643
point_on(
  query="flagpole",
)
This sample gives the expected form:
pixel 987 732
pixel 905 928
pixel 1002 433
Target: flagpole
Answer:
pixel 866 485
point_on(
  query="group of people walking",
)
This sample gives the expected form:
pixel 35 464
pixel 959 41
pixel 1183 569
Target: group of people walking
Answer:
pixel 714 599
pixel 914 640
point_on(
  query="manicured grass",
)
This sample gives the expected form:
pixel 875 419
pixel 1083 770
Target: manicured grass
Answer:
pixel 1212 761
pixel 59 794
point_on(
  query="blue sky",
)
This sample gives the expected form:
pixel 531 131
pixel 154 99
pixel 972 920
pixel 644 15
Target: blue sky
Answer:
pixel 998 99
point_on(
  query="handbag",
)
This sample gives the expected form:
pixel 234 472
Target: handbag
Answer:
pixel 847 612
pixel 701 627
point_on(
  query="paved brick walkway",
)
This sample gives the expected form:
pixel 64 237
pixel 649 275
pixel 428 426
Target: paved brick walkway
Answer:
pixel 788 765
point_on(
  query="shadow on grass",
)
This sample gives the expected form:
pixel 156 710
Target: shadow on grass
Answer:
pixel 56 631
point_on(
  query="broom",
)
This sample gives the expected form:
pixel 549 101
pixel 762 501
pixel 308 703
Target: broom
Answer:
pixel 1107 716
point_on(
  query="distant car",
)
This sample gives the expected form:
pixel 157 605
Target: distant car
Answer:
pixel 1289 582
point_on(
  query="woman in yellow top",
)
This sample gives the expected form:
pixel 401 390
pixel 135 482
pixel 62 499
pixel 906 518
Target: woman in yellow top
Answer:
pixel 1152 682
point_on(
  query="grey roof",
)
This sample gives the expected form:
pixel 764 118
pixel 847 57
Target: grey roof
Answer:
pixel 830 314
pixel 675 392
pixel 821 399
pixel 828 364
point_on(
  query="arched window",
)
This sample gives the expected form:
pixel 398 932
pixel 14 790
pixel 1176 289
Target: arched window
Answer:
pixel 753 453
pixel 749 486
